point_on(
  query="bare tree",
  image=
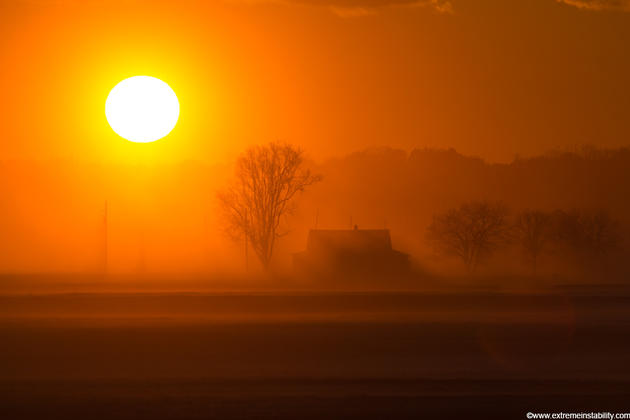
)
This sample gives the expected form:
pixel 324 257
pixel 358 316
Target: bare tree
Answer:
pixel 267 179
pixel 471 232
pixel 534 229
pixel 590 236
pixel 601 232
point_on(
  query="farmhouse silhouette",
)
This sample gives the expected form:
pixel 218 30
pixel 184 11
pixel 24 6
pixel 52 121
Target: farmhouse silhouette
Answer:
pixel 350 252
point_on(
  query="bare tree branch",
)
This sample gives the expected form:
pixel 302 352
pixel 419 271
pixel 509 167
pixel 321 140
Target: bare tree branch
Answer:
pixel 471 232
pixel 534 229
pixel 267 180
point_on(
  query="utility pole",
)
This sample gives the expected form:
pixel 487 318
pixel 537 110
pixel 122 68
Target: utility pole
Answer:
pixel 247 242
pixel 142 254
pixel 105 238
pixel 246 255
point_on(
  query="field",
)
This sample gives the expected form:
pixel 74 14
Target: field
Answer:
pixel 307 355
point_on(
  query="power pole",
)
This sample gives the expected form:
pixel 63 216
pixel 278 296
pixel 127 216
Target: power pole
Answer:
pixel 105 238
pixel 142 254
pixel 246 242
pixel 246 256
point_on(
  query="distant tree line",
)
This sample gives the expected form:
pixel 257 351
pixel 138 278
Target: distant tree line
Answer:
pixel 474 231
pixel 269 178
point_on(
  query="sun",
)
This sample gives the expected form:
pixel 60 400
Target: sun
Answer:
pixel 142 109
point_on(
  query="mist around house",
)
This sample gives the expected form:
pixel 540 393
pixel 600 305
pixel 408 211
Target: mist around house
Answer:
pixel 561 220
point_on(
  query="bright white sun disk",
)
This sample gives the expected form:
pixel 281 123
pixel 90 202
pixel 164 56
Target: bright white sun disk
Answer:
pixel 142 109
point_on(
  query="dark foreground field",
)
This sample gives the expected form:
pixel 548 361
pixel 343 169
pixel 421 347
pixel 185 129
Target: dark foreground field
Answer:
pixel 310 356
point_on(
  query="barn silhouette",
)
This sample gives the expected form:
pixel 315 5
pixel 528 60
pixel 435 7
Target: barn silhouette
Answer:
pixel 350 252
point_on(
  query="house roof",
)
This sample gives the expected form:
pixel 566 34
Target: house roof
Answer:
pixel 363 240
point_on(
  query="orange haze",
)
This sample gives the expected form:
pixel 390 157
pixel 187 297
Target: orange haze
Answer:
pixel 488 78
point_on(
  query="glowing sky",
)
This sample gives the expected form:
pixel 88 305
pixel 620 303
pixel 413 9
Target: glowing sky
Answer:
pixel 491 78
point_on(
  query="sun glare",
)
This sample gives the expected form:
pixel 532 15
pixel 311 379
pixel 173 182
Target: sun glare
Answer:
pixel 142 109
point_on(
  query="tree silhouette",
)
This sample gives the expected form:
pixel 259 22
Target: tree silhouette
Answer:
pixel 590 236
pixel 471 232
pixel 534 229
pixel 267 179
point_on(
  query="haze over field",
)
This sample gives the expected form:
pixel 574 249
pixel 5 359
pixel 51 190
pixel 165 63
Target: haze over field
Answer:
pixel 492 79
pixel 165 219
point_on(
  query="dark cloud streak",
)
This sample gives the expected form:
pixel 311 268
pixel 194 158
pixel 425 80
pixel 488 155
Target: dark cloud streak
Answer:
pixel 358 8
pixel 599 5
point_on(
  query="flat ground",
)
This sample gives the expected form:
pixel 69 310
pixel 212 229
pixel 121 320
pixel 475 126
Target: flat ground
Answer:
pixel 313 355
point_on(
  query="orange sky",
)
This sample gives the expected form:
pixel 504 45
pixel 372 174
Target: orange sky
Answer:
pixel 491 78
